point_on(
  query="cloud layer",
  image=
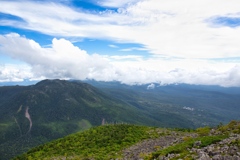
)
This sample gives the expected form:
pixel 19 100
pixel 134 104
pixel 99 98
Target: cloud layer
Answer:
pixel 172 28
pixel 189 41
pixel 64 60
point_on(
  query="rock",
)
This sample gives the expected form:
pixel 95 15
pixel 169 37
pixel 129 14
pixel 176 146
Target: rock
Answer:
pixel 204 156
pixel 212 132
pixel 224 149
pixel 199 151
pixel 197 144
pixel 232 150
pixel 215 153
pixel 210 149
pixel 217 157
pixel 227 157
pixel 171 156
pixel 235 157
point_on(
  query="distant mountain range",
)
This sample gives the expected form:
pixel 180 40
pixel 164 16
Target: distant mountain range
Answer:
pixel 50 109
pixel 199 104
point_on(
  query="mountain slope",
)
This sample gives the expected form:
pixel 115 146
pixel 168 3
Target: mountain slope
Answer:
pixel 201 105
pixel 51 109
pixel 124 141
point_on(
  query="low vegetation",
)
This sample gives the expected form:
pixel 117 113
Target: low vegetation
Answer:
pixel 110 141
pixel 104 142
pixel 206 136
pixel 182 148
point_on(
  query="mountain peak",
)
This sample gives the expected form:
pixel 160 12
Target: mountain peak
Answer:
pixel 51 82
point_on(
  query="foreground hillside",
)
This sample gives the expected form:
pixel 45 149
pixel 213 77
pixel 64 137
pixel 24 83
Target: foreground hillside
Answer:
pixel 123 141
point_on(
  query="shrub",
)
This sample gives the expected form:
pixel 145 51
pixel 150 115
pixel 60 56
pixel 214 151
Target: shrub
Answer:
pixel 204 131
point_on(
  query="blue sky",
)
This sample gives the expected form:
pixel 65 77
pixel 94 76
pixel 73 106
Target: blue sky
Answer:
pixel 132 41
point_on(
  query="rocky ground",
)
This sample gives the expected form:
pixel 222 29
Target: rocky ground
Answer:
pixel 226 149
pixel 146 147
pixel 138 151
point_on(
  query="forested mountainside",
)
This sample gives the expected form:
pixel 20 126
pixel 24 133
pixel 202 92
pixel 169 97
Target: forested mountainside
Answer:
pixel 32 115
pixel 125 141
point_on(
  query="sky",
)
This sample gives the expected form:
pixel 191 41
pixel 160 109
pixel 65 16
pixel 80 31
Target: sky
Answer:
pixel 131 41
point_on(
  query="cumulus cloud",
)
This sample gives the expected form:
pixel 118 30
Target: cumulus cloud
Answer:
pixel 171 28
pixel 61 60
pixel 14 73
pixel 64 60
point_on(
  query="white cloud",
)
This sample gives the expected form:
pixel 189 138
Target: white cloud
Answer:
pixel 64 60
pixel 151 86
pixel 178 71
pixel 112 46
pixel 188 108
pixel 132 49
pixel 127 57
pixel 14 73
pixel 61 60
pixel 170 28
pixel 114 3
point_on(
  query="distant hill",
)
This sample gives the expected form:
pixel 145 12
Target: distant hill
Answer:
pixel 123 141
